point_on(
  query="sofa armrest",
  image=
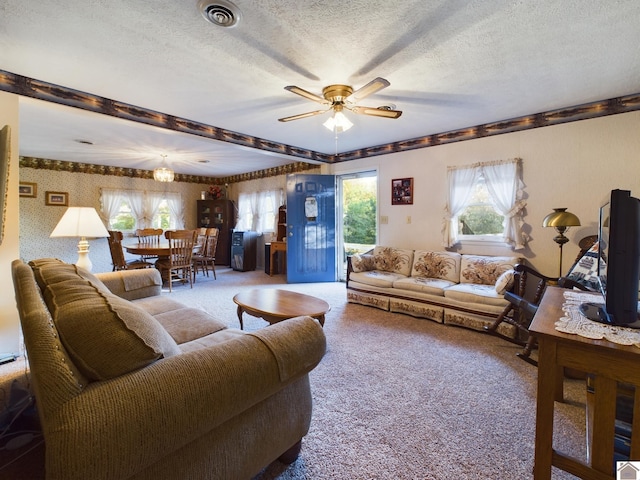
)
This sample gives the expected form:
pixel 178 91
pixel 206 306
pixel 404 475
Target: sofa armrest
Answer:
pixel 133 284
pixel 147 414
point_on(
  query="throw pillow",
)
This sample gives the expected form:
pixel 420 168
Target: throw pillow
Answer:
pixel 442 265
pixel 105 336
pixel 504 282
pixel 362 263
pixel 395 260
pixel 484 270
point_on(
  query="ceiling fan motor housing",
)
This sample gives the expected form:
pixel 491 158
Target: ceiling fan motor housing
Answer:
pixel 336 93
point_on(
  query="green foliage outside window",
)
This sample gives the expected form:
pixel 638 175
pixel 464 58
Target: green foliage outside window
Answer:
pixel 480 217
pixel 481 220
pixel 359 197
pixel 123 221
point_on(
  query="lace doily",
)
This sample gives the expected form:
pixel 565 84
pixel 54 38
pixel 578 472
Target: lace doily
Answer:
pixel 575 323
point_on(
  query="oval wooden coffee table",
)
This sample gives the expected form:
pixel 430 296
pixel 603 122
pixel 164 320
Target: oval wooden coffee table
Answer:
pixel 274 305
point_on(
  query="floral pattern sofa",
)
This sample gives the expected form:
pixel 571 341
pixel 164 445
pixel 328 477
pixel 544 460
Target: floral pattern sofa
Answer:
pixel 446 287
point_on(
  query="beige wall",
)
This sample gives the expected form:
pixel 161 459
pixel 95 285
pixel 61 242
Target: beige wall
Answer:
pixel 574 165
pixel 9 249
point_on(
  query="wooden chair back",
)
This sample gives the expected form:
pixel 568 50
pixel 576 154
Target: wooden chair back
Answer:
pixel 149 235
pixel 181 244
pixel 117 253
pixel 212 235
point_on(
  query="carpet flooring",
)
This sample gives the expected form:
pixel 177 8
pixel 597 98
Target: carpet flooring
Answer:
pixel 397 397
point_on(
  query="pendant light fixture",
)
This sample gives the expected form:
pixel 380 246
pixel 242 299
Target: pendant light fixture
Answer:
pixel 163 173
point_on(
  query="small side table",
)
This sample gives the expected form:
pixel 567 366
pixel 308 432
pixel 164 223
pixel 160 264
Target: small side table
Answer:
pixel 275 248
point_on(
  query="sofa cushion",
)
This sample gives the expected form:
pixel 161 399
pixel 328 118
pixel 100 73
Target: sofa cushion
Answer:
pixel 395 260
pixel 474 293
pixel 484 270
pixel 104 335
pixel 505 282
pixel 362 263
pixel 187 324
pixel 434 286
pixel 376 278
pixel 443 265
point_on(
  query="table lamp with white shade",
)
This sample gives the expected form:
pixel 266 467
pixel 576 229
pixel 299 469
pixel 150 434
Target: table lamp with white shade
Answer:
pixel 81 222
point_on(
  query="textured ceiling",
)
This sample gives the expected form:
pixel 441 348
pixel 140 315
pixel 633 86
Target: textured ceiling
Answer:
pixel 451 63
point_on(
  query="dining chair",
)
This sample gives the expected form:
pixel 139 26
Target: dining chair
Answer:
pixel 206 257
pixel 179 265
pixel 148 236
pixel 117 254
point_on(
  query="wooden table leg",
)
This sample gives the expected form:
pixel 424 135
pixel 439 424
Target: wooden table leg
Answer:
pixel 240 310
pixel 547 394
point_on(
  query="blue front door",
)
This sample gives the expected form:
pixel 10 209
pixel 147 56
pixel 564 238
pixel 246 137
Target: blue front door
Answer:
pixel 311 228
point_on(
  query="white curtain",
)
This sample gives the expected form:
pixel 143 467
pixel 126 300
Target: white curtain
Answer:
pixel 110 200
pixel 505 187
pixel 255 211
pixel 152 207
pixel 461 181
pixel 258 211
pixel 244 212
pixel 144 206
pixel 176 209
pixel 504 184
pixel 136 200
pixel 269 202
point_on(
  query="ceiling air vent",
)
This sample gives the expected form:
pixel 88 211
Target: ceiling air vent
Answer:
pixel 219 12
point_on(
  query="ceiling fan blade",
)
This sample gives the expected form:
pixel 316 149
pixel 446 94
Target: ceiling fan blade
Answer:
pixel 370 88
pixel 308 95
pixel 302 115
pixel 376 112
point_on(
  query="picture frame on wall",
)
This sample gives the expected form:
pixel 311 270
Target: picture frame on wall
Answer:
pixel 57 199
pixel 28 189
pixel 402 191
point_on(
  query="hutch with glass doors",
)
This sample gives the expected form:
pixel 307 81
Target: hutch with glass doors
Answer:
pixel 220 214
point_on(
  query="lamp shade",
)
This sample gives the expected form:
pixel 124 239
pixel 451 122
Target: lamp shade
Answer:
pixel 561 218
pixel 80 222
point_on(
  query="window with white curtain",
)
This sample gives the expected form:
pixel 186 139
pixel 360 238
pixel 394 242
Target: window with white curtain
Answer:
pixel 258 211
pixel 485 204
pixel 128 210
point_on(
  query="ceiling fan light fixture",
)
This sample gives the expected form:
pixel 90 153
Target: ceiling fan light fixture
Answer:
pixel 163 174
pixel 338 122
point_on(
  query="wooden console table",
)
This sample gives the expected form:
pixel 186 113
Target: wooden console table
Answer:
pixel 609 363
pixel 275 248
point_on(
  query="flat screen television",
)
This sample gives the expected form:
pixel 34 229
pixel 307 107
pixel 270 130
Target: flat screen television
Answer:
pixel 618 262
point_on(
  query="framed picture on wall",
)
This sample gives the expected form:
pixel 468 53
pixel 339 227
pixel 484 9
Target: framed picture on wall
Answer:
pixel 402 191
pixel 27 189
pixel 60 199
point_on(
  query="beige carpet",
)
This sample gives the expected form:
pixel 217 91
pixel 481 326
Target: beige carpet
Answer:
pixel 402 398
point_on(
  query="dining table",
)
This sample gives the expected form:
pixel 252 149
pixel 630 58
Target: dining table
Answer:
pixel 155 249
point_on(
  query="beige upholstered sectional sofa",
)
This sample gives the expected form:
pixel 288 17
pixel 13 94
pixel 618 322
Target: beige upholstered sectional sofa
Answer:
pixel 447 287
pixel 130 384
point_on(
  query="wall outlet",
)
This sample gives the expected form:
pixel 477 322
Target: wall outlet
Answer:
pixel 384 220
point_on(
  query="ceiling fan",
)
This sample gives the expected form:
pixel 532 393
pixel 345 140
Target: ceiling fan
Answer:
pixel 339 97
